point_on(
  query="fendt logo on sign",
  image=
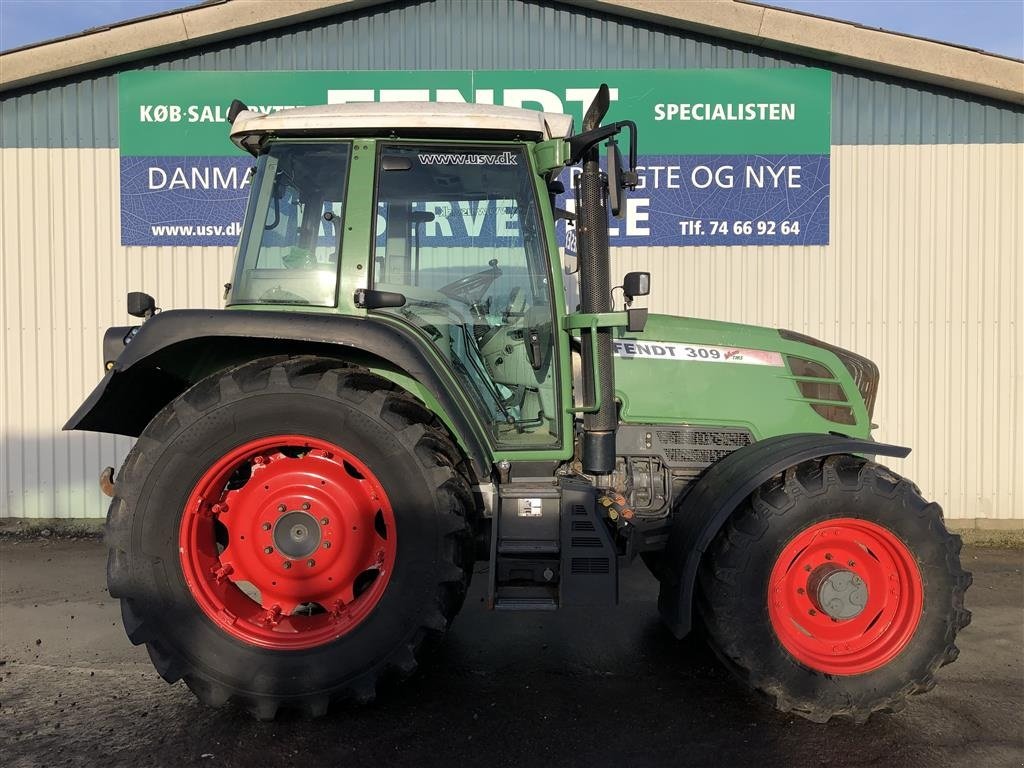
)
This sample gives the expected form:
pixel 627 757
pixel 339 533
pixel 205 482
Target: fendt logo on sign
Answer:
pixel 726 156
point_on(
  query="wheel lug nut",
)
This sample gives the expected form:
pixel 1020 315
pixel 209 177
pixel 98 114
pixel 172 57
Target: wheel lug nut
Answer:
pixel 324 521
pixel 851 564
pixel 828 556
pixel 286 564
pixel 268 550
pixel 265 526
pixel 311 562
pixel 813 612
pixel 305 505
pixel 807 567
pixel 281 508
pixel 327 545
pixel 800 590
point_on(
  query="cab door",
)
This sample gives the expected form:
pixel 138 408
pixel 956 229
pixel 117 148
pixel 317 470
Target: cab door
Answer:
pixel 459 234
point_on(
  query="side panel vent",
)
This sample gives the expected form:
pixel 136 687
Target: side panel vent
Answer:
pixel 594 565
pixel 589 564
pixel 688 447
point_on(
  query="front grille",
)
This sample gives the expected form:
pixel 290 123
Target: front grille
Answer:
pixel 863 371
pixel 816 390
pixel 838 413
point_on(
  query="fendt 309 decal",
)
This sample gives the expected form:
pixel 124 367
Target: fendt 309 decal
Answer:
pixel 665 350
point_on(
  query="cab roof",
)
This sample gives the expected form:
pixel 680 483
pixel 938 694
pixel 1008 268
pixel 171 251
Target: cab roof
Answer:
pixel 401 118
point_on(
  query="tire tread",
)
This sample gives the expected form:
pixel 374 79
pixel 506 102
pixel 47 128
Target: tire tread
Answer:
pixel 419 430
pixel 726 558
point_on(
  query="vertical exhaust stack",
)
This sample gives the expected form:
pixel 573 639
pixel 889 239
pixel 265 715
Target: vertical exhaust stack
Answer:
pixel 595 296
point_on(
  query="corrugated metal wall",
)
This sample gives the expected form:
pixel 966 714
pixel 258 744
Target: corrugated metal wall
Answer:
pixel 943 320
pixel 63 278
pixel 923 274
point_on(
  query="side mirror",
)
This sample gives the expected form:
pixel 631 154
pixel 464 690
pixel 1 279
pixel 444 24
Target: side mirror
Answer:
pixel 616 198
pixel 636 284
pixel 141 304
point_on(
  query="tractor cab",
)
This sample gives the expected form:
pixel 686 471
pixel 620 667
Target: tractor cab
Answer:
pixel 458 246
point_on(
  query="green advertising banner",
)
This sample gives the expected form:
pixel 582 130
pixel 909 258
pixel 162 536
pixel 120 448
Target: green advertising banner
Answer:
pixel 728 156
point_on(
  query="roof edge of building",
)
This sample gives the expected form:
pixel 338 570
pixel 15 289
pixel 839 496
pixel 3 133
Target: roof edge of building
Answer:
pixel 155 35
pixel 832 41
pixel 836 42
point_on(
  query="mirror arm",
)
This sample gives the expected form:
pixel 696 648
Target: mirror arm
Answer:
pixel 581 142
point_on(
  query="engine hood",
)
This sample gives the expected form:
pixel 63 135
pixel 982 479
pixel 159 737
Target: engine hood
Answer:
pixel 694 371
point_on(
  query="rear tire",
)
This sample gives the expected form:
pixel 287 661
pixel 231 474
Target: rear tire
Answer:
pixel 170 529
pixel 835 590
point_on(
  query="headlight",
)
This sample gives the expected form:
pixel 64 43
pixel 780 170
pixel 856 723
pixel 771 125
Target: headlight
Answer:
pixel 863 371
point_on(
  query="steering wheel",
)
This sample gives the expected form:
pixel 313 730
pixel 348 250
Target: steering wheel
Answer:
pixel 471 288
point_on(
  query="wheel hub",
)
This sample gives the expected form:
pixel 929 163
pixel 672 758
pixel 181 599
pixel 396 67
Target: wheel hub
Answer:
pixel 288 542
pixel 297 534
pixel 840 594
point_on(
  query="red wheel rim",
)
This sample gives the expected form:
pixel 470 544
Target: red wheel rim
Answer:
pixel 845 596
pixel 287 542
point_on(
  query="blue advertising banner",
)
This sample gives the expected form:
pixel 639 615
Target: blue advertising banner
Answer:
pixel 183 200
pixel 727 157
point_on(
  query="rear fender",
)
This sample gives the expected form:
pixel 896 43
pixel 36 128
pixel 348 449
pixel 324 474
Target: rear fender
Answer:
pixel 714 497
pixel 175 349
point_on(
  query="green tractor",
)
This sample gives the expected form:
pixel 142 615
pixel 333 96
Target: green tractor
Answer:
pixel 319 466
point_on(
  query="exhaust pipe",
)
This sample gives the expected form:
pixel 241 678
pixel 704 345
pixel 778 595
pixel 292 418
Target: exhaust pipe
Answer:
pixel 595 296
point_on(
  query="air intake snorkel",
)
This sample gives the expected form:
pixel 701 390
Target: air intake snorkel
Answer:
pixel 592 197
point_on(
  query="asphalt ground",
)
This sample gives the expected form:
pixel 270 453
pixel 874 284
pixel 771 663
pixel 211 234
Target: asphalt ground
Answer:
pixel 576 688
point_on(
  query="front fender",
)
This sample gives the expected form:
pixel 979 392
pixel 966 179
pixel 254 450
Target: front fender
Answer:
pixel 712 499
pixel 177 348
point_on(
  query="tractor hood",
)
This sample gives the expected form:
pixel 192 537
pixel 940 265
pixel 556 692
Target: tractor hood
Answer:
pixel 693 371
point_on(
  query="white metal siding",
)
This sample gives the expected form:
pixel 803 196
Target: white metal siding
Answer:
pixel 923 275
pixel 63 282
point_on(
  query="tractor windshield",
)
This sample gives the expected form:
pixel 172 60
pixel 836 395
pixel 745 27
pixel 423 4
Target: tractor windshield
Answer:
pixel 289 252
pixel 459 235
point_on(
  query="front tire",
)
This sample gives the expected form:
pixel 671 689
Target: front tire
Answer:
pixel 835 590
pixel 287 532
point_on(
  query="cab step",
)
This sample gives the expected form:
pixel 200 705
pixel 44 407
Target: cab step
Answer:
pixel 550 548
